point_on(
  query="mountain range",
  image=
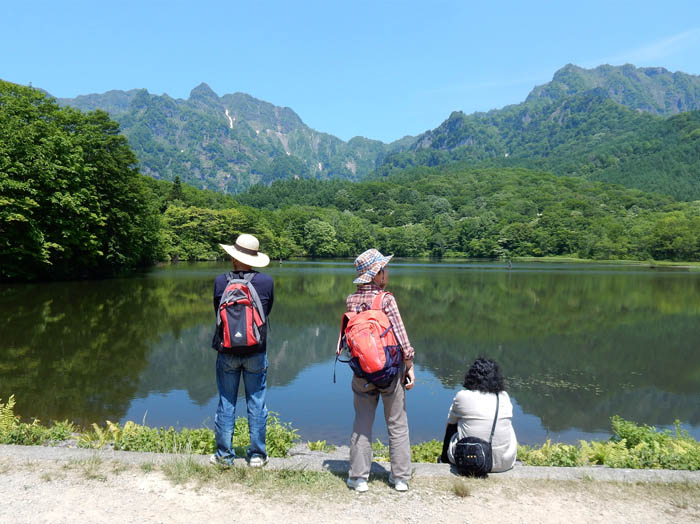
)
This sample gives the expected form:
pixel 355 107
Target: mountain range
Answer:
pixel 228 143
pixel 639 127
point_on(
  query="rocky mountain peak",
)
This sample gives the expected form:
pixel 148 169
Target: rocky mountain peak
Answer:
pixel 203 92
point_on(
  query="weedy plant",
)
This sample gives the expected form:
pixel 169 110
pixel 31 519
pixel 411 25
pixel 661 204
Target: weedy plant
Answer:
pixel 380 451
pixel 631 446
pixel 461 488
pixel 136 437
pixel 12 431
pixel 91 468
pixel 320 445
pixel 426 451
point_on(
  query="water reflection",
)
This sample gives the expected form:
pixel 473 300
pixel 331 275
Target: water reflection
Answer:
pixel 578 344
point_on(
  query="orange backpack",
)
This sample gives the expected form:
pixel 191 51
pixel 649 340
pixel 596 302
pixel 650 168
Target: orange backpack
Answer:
pixel 368 336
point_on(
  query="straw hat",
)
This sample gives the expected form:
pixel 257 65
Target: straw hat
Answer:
pixel 246 250
pixel 368 264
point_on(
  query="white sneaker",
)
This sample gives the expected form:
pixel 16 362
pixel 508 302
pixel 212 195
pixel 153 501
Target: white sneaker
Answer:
pixel 257 461
pixel 358 484
pixel 399 485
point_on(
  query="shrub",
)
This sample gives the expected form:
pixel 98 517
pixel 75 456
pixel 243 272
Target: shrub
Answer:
pixel 135 437
pixel 550 455
pixel 630 446
pixel 426 451
pixel 12 431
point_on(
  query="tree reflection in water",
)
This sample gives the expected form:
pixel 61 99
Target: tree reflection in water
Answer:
pixel 578 343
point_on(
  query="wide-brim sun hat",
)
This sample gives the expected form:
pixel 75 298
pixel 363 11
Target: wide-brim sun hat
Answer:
pixel 246 250
pixel 368 264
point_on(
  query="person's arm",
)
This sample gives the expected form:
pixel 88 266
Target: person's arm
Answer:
pixel 450 429
pixel 219 287
pixel 264 286
pixel 392 311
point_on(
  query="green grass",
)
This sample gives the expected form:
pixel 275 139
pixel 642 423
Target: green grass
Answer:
pixel 91 468
pixel 461 488
pixel 574 260
pixel 186 470
pixel 631 445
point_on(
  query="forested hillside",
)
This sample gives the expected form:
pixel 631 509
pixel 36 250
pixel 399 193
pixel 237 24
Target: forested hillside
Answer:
pixel 567 129
pixel 75 205
pixel 456 210
pixel 231 142
pixel 72 203
pixel 607 124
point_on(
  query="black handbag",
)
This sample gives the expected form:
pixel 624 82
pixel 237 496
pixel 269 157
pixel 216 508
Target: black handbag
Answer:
pixel 474 456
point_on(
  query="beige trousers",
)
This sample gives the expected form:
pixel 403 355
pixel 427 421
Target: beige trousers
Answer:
pixel 366 398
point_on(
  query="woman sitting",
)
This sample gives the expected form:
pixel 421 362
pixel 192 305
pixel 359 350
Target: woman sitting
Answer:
pixel 473 411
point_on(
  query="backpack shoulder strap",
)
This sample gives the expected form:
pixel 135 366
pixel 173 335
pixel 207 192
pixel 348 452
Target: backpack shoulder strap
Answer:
pixel 378 301
pixel 254 294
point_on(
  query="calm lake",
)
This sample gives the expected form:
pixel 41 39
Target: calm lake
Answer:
pixel 577 343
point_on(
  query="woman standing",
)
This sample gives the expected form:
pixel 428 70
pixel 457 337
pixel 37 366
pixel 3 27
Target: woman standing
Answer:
pixel 473 411
pixel 371 281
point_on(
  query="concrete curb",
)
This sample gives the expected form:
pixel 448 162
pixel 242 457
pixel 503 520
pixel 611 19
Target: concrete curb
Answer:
pixel 336 462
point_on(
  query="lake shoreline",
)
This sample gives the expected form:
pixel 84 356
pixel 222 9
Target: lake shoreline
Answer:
pixel 336 461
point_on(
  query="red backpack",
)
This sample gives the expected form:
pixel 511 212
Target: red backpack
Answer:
pixel 368 336
pixel 240 319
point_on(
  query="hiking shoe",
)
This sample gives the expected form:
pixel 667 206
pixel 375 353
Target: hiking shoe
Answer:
pixel 399 485
pixel 358 484
pixel 257 461
pixel 214 459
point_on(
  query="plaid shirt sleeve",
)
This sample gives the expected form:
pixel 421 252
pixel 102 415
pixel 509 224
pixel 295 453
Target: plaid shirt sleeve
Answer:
pixel 392 311
pixel 364 295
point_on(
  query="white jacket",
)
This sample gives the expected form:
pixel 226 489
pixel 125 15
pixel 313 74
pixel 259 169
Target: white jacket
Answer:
pixel 473 412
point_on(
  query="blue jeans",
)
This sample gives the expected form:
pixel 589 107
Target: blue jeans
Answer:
pixel 228 376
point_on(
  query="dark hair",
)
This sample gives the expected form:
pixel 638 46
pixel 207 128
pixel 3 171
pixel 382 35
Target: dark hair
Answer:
pixel 484 375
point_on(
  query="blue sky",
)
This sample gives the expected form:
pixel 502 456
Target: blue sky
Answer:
pixel 380 69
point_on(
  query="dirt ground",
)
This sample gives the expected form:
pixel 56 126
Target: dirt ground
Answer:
pixel 60 491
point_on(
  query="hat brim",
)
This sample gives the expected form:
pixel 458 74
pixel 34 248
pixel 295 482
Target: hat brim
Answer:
pixel 368 276
pixel 259 260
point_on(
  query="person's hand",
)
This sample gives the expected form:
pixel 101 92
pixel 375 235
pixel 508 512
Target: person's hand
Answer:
pixel 410 377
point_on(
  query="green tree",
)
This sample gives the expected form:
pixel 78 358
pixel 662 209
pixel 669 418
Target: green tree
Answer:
pixel 176 190
pixel 319 238
pixel 73 202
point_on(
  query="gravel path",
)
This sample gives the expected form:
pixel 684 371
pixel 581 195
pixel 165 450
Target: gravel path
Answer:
pixel 72 485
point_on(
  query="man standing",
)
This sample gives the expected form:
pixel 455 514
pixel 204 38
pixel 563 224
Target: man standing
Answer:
pixel 372 280
pixel 249 361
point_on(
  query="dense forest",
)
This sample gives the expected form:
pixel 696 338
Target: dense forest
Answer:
pixel 459 211
pixel 74 204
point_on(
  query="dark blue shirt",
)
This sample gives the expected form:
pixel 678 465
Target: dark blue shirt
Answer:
pixel 264 285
